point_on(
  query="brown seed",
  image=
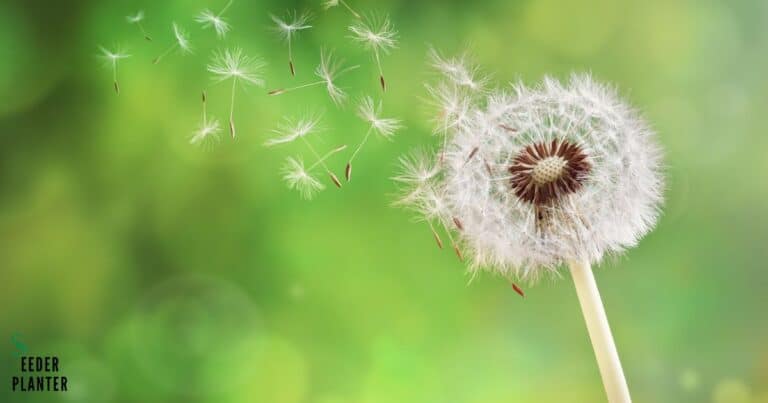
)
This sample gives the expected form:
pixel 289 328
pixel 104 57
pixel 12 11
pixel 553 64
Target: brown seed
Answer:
pixel 437 239
pixel 458 252
pixel 383 84
pixel 348 171
pixel 147 37
pixel 518 290
pixel 276 92
pixel 293 71
pixel 473 153
pixel 458 223
pixel 204 97
pixel 335 180
pixel 117 88
pixel 509 129
pixel 488 168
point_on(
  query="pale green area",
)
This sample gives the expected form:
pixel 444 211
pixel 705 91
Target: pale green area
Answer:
pixel 161 272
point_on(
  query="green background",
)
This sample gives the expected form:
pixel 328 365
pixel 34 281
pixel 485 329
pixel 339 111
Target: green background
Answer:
pixel 159 271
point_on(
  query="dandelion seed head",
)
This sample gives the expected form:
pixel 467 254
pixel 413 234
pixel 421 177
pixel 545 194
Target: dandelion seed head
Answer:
pixel 328 70
pixel 376 34
pixel 182 38
pixel 209 130
pixel 293 23
pixel 232 63
pixel 135 18
pixel 370 112
pixel 291 129
pixel 540 176
pixel 297 177
pixel 209 19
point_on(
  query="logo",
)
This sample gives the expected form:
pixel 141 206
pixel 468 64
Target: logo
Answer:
pixel 36 373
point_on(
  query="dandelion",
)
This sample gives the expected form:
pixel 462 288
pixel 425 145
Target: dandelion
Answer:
pixel 327 71
pixel 377 35
pixel 209 19
pixel 553 175
pixel 137 19
pixel 209 129
pixel 181 42
pixel 291 130
pixel 234 65
pixel 327 4
pixel 384 127
pixel 289 27
pixel 112 57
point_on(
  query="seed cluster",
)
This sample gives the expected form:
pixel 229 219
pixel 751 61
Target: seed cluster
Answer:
pixel 544 173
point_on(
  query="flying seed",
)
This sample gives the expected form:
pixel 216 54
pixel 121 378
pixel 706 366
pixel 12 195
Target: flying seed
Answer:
pixel 458 223
pixel 348 171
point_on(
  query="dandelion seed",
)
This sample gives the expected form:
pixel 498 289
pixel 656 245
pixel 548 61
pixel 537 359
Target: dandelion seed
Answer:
pixel 328 70
pixel 333 3
pixel 209 19
pixel 209 128
pixel 137 19
pixel 291 130
pixel 181 42
pixel 458 70
pixel 288 28
pixel 112 57
pixel 384 127
pixel 297 177
pixel 233 64
pixel 377 35
pixel 288 130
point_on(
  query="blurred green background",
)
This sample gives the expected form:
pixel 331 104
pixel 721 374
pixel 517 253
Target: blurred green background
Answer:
pixel 159 271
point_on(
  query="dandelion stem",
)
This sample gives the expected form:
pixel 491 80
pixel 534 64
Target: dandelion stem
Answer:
pixel 327 155
pixel 281 91
pixel 162 55
pixel 344 3
pixel 600 333
pixel 232 108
